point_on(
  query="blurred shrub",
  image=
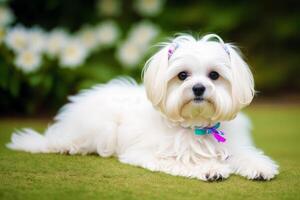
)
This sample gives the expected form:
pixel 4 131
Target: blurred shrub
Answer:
pixel 50 49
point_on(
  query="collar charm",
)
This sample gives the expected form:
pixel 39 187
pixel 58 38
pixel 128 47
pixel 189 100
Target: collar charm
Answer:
pixel 218 135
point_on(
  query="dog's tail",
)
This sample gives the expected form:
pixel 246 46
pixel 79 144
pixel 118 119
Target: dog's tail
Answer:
pixel 30 141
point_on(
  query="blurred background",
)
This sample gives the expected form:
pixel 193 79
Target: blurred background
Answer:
pixel 51 49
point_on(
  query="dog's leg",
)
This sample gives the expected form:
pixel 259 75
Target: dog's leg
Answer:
pixel 245 159
pixel 70 139
pixel 208 170
pixel 253 164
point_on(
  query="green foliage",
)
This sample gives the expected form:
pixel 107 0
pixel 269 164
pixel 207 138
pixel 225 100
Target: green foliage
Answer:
pixel 54 176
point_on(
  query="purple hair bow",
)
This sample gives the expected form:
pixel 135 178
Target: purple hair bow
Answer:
pixel 218 135
pixel 172 49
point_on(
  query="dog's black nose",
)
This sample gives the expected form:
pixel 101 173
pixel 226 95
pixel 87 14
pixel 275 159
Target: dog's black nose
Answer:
pixel 198 89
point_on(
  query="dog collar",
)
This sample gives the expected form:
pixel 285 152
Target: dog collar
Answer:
pixel 218 134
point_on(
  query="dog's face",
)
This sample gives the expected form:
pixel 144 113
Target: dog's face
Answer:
pixel 198 81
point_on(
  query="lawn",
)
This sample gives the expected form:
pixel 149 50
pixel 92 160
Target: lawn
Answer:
pixel 51 176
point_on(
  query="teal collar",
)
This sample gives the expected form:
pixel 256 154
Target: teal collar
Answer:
pixel 218 134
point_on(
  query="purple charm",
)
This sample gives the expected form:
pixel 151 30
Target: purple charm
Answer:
pixel 218 137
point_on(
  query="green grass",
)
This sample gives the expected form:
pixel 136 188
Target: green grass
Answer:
pixel 51 176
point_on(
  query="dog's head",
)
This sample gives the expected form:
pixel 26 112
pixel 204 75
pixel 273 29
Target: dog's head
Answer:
pixel 198 80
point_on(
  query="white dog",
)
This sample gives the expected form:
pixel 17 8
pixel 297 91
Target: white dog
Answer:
pixel 171 124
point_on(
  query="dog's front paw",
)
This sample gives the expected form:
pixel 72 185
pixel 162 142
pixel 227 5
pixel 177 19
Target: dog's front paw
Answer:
pixel 215 172
pixel 262 170
pixel 214 177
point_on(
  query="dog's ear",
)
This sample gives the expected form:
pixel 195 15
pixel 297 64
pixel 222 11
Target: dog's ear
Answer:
pixel 154 76
pixel 242 83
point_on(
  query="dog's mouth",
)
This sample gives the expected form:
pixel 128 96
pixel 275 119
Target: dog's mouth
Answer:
pixel 198 99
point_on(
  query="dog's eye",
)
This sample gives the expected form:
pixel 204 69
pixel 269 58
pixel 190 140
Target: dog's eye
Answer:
pixel 182 75
pixel 213 75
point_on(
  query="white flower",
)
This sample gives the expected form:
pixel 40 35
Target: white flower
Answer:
pixel 109 7
pixel 56 40
pixel 28 61
pixel 17 38
pixel 107 33
pixel 149 7
pixel 130 54
pixel 37 39
pixel 88 38
pixel 143 33
pixel 73 54
pixel 6 16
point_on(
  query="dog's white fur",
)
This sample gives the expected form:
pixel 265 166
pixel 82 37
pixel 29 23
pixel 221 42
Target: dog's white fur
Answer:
pixel 154 130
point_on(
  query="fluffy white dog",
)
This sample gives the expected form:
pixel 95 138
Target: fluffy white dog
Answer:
pixel 192 90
